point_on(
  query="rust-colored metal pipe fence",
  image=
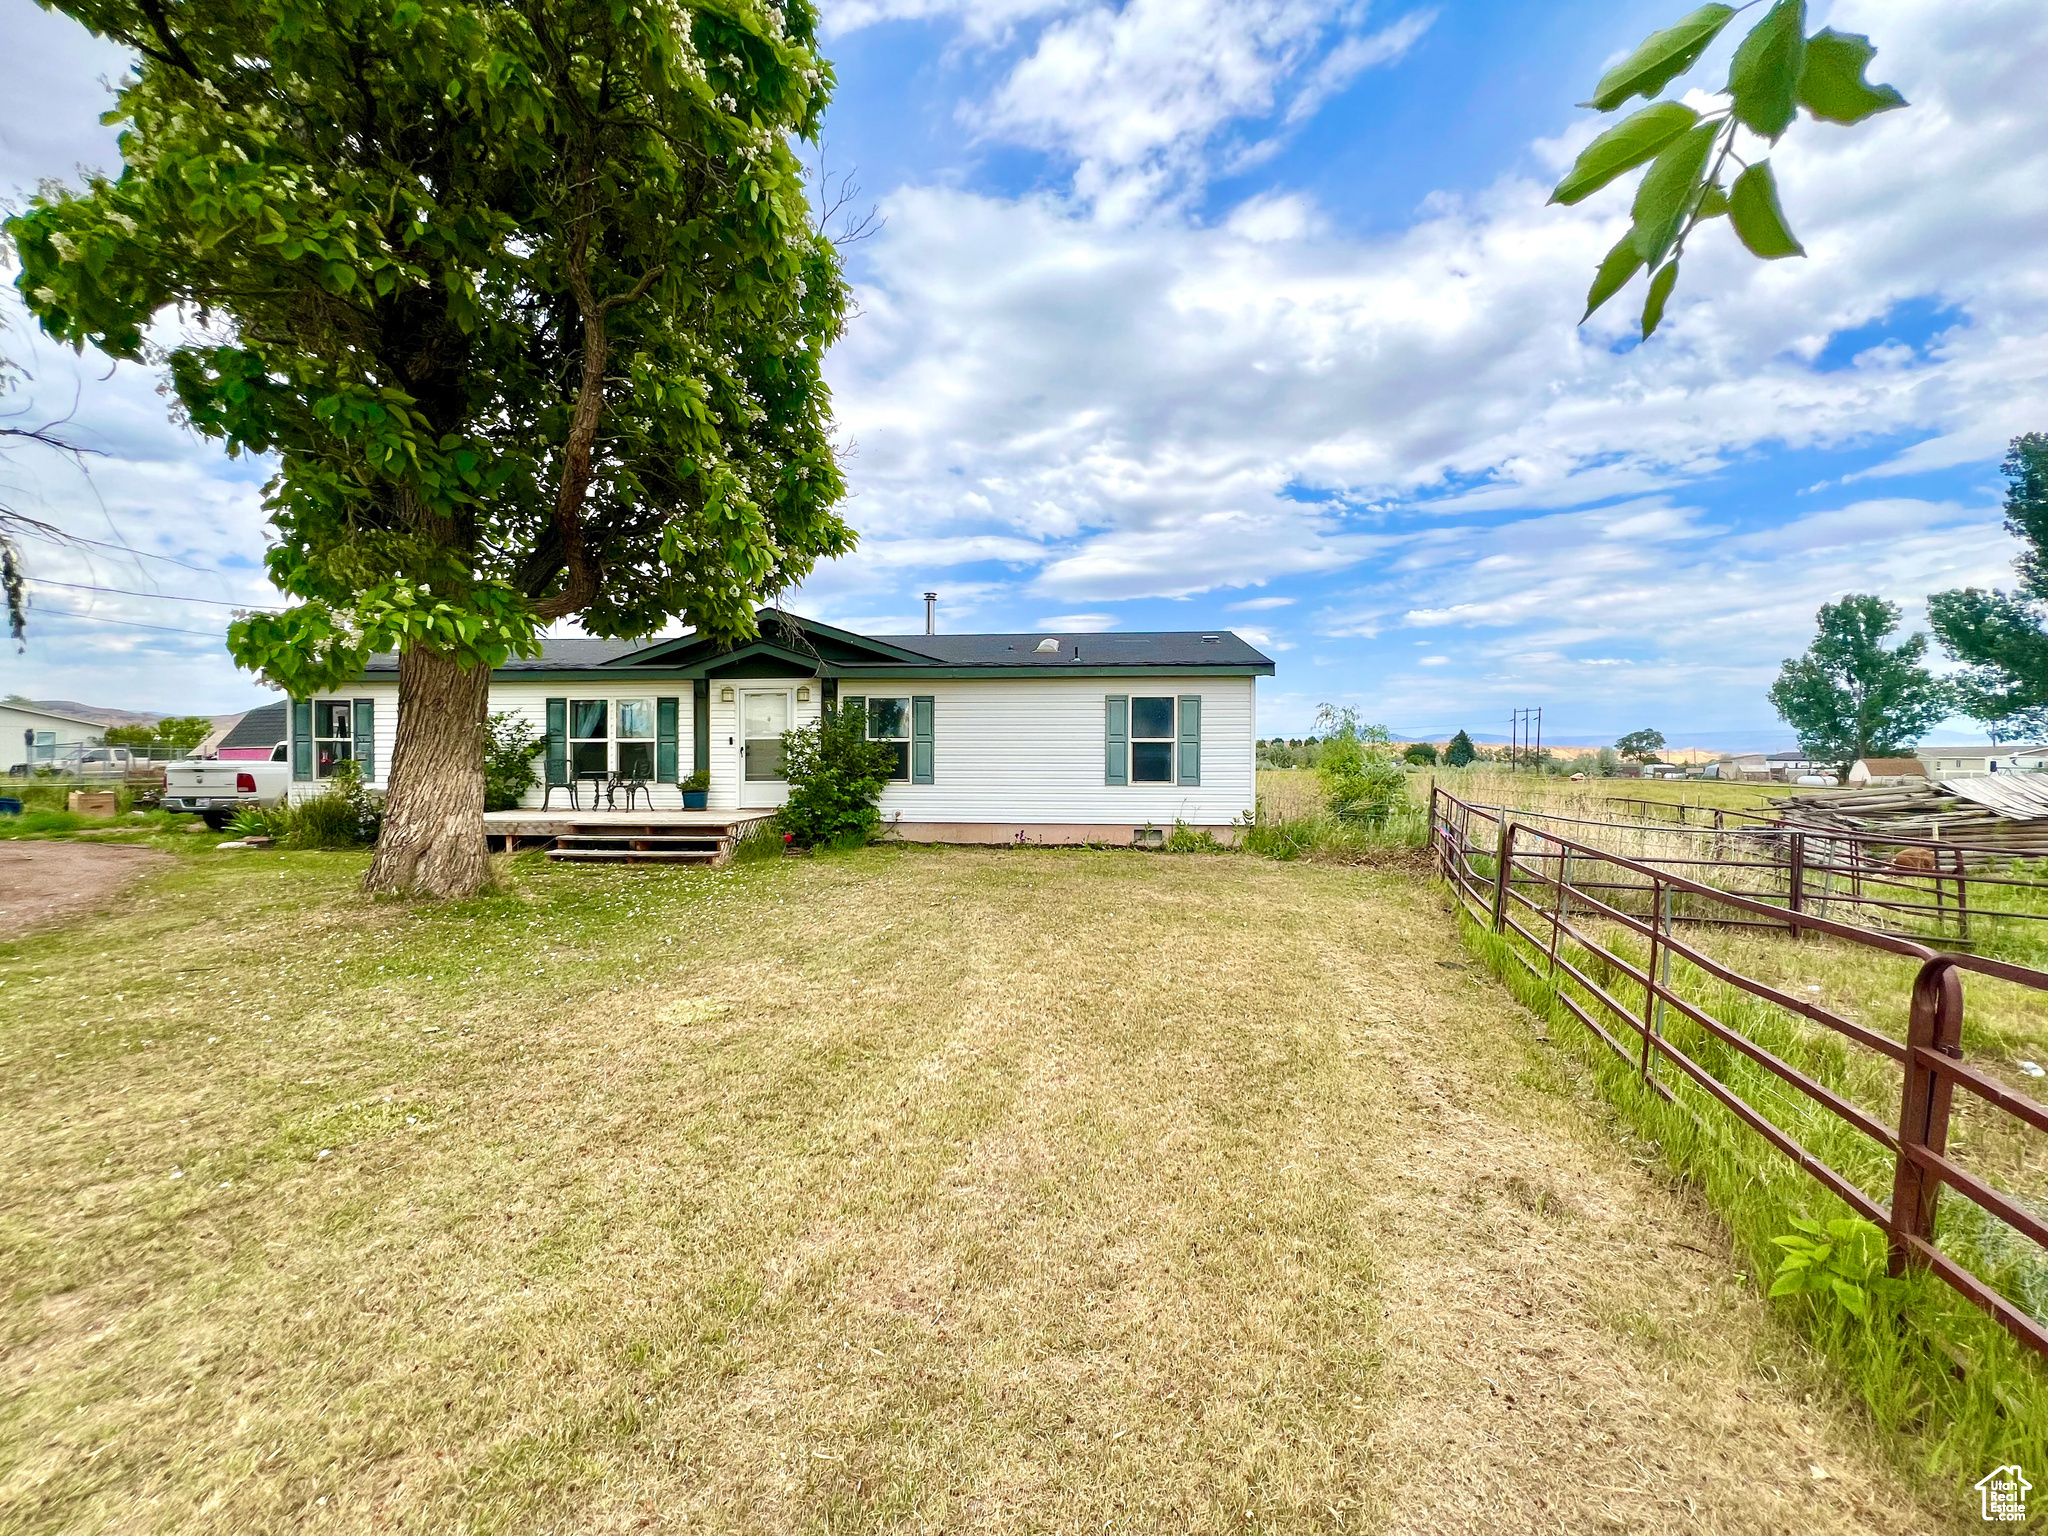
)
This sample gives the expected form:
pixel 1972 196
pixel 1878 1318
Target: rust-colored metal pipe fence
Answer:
pixel 1537 886
pixel 1962 896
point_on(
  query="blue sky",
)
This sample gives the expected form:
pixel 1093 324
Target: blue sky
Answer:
pixel 1186 313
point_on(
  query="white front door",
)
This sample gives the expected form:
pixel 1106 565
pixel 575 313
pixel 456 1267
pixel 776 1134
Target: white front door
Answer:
pixel 764 716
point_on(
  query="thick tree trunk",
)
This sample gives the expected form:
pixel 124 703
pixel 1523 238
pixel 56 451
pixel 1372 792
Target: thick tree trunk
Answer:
pixel 433 838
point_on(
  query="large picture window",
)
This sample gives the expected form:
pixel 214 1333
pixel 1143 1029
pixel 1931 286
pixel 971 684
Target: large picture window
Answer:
pixel 334 736
pixel 1152 741
pixel 889 724
pixel 636 738
pixel 612 735
pixel 589 736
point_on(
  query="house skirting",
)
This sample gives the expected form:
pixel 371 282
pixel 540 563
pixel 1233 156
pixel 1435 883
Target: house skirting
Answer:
pixel 1048 833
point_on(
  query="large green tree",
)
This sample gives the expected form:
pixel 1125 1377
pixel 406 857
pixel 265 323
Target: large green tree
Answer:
pixel 525 297
pixel 1641 746
pixel 1694 156
pixel 1851 695
pixel 1999 636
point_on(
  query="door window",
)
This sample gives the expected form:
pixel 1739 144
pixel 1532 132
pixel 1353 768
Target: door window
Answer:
pixel 763 719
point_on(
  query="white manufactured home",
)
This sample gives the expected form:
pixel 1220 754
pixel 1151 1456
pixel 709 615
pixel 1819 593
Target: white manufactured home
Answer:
pixel 1051 738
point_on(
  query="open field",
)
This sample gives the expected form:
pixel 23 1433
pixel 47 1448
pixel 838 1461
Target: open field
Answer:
pixel 905 1190
pixel 1292 791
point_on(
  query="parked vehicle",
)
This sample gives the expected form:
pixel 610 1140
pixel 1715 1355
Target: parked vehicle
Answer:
pixel 86 763
pixel 217 790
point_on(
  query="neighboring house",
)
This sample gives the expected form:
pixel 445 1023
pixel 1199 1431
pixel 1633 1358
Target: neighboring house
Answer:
pixel 1791 765
pixel 1748 765
pixel 31 738
pixel 1045 738
pixel 1879 771
pixel 256 735
pixel 1961 762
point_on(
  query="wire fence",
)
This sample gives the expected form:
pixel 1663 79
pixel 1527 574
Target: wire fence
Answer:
pixel 1620 943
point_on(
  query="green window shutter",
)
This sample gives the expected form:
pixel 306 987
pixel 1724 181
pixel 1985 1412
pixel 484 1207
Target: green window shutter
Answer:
pixel 700 726
pixel 667 719
pixel 921 739
pixel 302 739
pixel 366 737
pixel 1116 745
pixel 1191 738
pixel 558 741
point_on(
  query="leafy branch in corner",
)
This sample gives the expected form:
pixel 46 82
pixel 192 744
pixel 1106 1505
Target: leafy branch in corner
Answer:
pixel 1777 69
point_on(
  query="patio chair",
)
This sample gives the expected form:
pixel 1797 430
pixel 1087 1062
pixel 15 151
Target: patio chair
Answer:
pixel 559 778
pixel 618 785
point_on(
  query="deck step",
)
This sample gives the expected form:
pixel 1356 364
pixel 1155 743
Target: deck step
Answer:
pixel 561 855
pixel 642 839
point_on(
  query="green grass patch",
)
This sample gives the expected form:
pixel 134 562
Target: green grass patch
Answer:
pixel 1960 1393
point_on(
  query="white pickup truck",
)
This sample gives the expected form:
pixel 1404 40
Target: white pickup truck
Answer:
pixel 217 790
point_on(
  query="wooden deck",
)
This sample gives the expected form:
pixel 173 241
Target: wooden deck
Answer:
pixel 623 837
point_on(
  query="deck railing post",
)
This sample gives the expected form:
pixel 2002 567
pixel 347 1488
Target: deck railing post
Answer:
pixel 1936 1026
pixel 1500 880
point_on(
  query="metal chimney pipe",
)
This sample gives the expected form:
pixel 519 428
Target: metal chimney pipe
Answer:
pixel 931 613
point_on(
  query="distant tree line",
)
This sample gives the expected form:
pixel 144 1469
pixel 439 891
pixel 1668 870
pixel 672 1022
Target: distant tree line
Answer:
pixel 1854 694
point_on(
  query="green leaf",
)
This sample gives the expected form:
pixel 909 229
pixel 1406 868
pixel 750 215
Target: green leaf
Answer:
pixel 1713 202
pixel 1668 191
pixel 1661 58
pixel 1635 139
pixel 1831 83
pixel 1759 222
pixel 1764 77
pixel 1616 268
pixel 1660 291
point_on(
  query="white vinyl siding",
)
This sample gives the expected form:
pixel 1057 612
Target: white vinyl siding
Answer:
pixel 1022 750
pixel 1030 750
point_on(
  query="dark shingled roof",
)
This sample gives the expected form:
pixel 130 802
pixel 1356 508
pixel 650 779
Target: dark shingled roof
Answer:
pixel 573 655
pixel 1176 650
pixel 263 727
pixel 1182 649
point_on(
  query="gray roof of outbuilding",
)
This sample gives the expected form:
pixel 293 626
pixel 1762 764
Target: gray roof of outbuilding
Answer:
pixel 1178 649
pixel 264 726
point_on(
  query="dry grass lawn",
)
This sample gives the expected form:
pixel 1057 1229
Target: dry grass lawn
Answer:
pixel 912 1190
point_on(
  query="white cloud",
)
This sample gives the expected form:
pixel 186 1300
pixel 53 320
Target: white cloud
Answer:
pixel 1260 604
pixel 1148 402
pixel 982 20
pixel 1351 58
pixel 1134 95
pixel 1079 623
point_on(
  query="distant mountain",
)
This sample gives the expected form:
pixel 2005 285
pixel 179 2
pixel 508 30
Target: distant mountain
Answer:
pixel 97 714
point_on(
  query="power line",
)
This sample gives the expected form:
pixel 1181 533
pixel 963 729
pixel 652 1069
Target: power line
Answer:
pixel 58 536
pixel 161 597
pixel 66 613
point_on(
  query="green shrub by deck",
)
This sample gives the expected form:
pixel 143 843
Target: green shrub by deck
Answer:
pixel 836 777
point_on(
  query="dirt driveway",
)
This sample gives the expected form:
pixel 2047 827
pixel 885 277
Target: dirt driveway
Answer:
pixel 45 882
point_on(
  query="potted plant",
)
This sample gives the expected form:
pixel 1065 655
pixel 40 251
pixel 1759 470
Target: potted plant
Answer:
pixel 696 790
